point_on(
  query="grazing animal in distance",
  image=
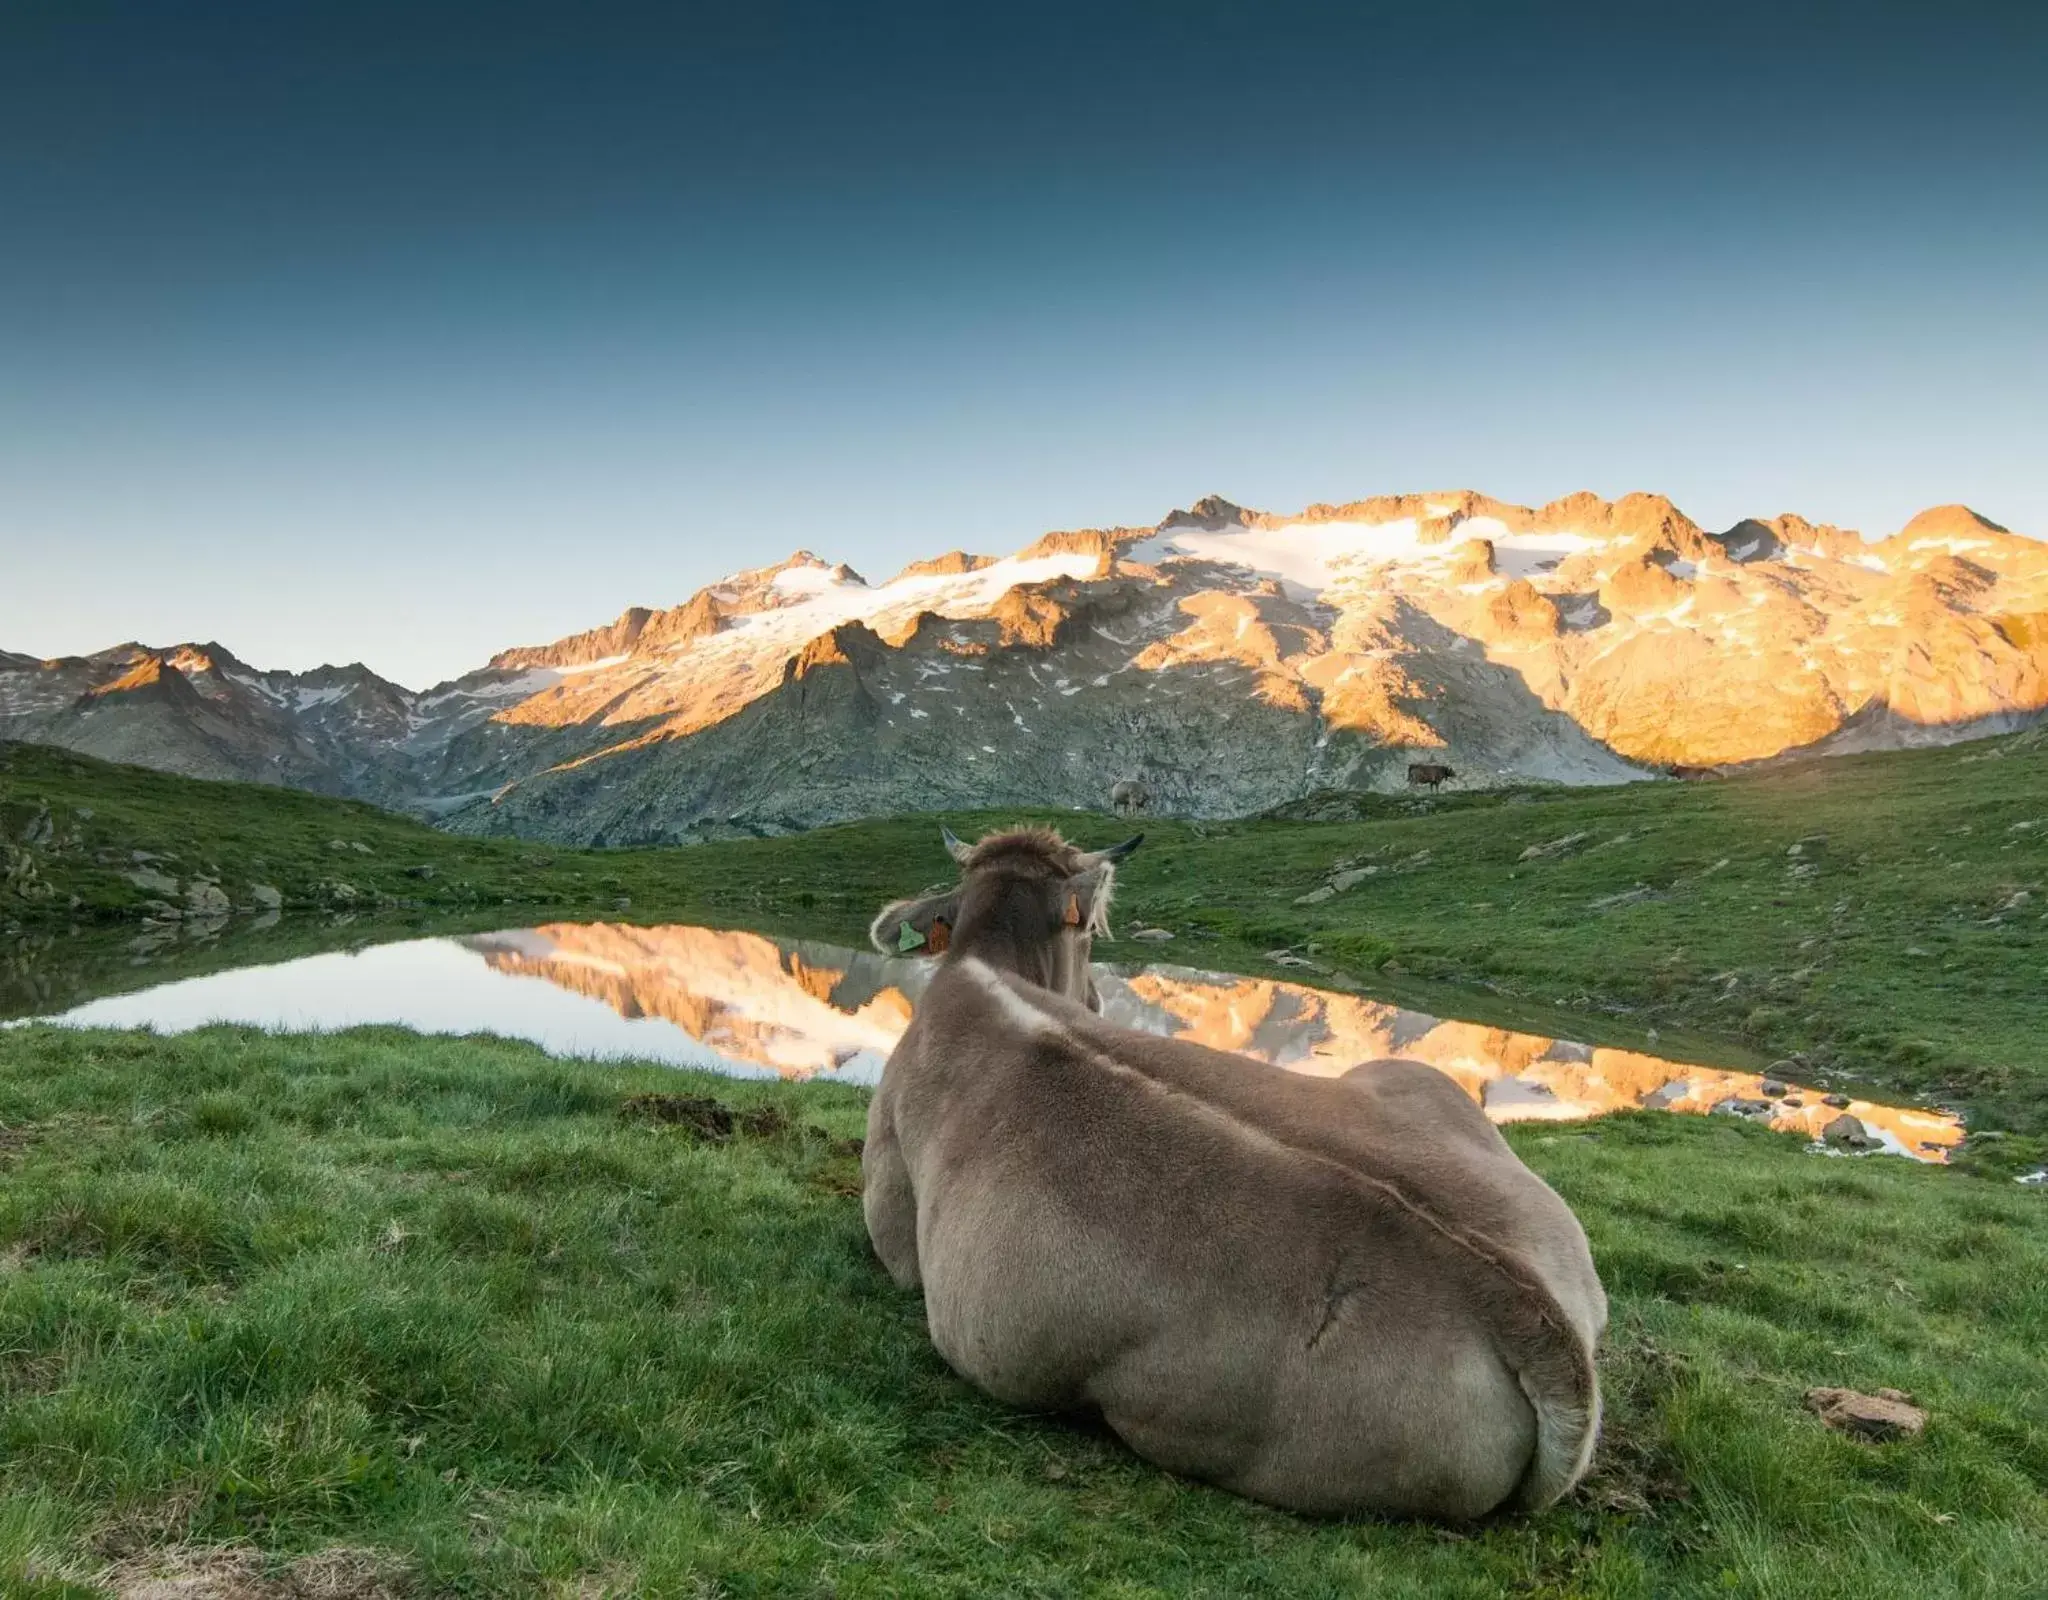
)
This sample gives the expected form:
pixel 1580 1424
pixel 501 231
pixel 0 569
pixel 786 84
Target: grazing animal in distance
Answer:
pixel 1336 1295
pixel 1128 795
pixel 1691 774
pixel 1428 772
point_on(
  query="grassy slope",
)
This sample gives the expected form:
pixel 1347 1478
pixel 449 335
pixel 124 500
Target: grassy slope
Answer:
pixel 443 1300
pixel 1909 949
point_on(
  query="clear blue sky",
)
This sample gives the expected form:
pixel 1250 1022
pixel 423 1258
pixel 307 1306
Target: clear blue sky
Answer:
pixel 405 332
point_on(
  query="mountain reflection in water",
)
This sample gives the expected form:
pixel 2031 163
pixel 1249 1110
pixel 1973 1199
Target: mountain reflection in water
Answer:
pixel 743 1002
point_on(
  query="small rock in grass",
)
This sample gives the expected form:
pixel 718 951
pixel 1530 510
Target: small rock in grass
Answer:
pixel 1888 1414
pixel 1151 935
pixel 1537 852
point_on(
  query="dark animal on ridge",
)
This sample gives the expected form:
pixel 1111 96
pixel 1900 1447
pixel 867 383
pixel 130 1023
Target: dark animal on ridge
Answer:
pixel 1429 772
pixel 1337 1295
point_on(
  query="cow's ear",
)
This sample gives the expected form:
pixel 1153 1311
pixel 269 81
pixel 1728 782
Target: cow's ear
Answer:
pixel 1084 900
pixel 917 927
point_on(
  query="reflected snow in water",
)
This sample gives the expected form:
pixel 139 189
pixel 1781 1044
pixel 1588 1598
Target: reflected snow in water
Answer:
pixel 746 1004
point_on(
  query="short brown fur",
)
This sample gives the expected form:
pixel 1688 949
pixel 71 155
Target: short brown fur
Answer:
pixel 1337 1295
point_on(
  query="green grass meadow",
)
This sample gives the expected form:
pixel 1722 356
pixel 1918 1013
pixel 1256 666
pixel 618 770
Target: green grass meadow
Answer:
pixel 457 1310
pixel 377 1315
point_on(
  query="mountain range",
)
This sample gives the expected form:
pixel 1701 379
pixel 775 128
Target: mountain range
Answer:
pixel 1232 659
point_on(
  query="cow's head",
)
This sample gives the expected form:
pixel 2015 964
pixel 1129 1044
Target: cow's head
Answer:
pixel 1027 901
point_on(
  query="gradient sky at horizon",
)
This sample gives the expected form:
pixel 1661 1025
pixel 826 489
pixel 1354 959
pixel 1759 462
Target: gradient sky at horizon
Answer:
pixel 408 332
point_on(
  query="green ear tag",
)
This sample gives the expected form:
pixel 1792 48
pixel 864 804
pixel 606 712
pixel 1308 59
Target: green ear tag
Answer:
pixel 909 938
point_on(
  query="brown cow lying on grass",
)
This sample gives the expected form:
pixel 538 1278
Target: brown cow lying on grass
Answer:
pixel 1335 1295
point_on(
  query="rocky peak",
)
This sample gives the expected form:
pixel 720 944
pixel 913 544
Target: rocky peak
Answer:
pixel 950 565
pixel 1209 513
pixel 149 676
pixel 1950 522
pixel 618 638
pixel 851 644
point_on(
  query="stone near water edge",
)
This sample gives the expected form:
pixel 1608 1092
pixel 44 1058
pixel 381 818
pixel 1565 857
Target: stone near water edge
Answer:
pixel 204 899
pixel 1876 1418
pixel 266 896
pixel 1839 1101
pixel 1848 1133
pixel 1773 1088
pixel 151 881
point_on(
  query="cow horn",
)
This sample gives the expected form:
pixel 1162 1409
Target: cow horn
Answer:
pixel 954 847
pixel 1116 852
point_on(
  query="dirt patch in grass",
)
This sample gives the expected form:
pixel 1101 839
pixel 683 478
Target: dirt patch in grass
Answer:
pixel 13 1141
pixel 702 1117
pixel 238 1572
pixel 1635 1471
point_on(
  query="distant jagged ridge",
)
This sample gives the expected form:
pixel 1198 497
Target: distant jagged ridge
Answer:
pixel 1235 659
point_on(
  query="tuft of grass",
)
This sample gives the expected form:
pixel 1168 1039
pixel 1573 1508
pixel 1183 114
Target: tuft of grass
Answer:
pixel 447 1316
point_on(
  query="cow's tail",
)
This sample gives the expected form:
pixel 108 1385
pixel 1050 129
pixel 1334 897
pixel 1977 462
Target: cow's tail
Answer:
pixel 1554 1366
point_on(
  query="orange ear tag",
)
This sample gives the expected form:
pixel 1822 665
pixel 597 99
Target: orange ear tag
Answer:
pixel 940 936
pixel 1073 917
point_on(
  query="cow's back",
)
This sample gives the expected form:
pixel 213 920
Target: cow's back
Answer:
pixel 1182 1235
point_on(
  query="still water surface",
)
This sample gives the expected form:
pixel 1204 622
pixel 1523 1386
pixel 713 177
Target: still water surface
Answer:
pixel 753 1006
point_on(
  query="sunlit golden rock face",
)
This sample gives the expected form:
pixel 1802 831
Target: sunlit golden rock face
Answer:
pixel 1663 642
pixel 1259 631
pixel 801 1009
pixel 1660 641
